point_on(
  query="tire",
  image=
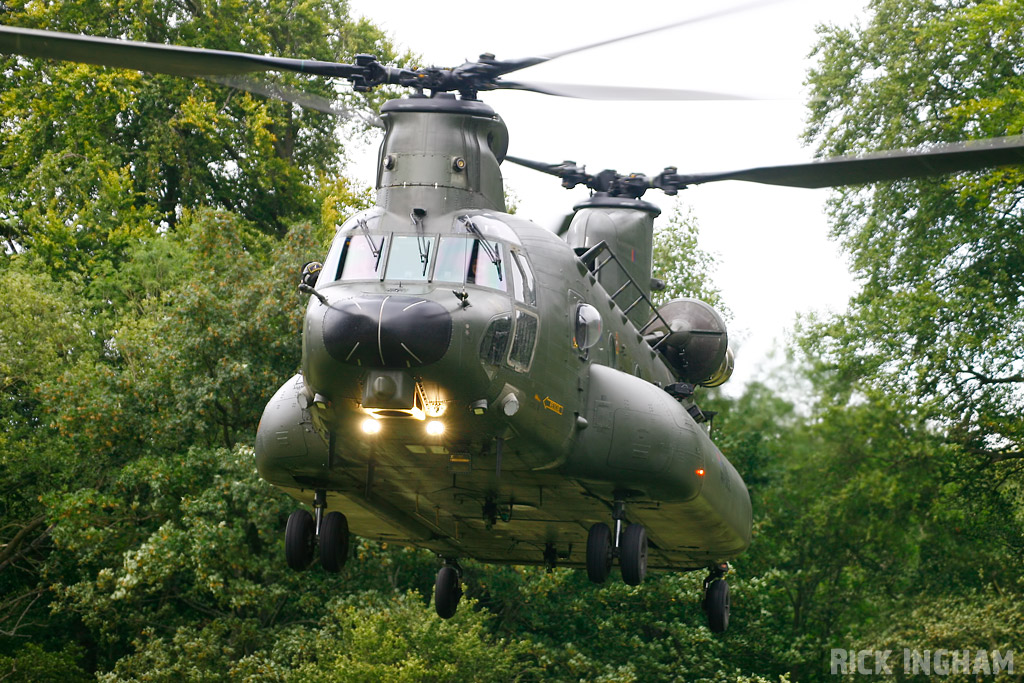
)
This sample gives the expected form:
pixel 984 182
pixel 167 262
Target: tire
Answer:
pixel 633 554
pixel 334 542
pixel 716 604
pixel 299 540
pixel 599 552
pixel 447 592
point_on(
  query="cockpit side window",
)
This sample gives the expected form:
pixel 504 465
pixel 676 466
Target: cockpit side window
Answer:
pixel 522 280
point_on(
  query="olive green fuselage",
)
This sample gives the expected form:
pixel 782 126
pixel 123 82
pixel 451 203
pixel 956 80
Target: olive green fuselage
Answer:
pixel 438 308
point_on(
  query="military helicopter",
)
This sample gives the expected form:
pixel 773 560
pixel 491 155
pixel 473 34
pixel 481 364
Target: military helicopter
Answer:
pixel 472 383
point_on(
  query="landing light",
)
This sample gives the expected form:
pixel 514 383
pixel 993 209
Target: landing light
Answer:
pixel 435 428
pixel 371 426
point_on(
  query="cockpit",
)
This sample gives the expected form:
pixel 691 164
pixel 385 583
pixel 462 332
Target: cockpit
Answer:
pixel 481 251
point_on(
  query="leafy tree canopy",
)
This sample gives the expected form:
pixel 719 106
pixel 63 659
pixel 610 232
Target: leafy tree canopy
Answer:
pixel 939 318
pixel 92 158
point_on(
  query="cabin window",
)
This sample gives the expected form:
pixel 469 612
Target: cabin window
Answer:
pixel 524 342
pixel 409 259
pixel 361 257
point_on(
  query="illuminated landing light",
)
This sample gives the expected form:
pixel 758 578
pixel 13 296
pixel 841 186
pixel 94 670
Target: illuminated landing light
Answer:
pixel 371 426
pixel 700 472
pixel 435 428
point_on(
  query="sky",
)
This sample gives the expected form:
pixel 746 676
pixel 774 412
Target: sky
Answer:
pixel 775 257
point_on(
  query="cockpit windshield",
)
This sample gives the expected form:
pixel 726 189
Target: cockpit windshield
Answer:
pixel 361 252
pixel 463 260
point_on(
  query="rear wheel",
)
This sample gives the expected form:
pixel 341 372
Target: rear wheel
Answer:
pixel 599 552
pixel 299 540
pixel 716 604
pixel 334 540
pixel 633 554
pixel 447 592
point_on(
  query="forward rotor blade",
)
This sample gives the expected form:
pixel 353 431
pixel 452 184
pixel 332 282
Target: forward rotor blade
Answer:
pixel 615 92
pixel 154 57
pixel 836 171
pixel 303 99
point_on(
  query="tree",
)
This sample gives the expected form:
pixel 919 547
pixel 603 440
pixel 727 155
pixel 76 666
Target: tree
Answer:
pixel 939 318
pixel 921 379
pixel 92 158
pixel 681 263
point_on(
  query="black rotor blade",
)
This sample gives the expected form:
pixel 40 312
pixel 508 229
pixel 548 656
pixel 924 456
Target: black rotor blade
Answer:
pixel 155 57
pixel 550 169
pixel 947 158
pixel 615 92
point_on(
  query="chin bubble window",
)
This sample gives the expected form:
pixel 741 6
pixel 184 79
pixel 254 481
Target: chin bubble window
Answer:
pixel 588 327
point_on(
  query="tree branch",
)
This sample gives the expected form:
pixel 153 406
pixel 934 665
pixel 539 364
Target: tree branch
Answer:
pixel 9 552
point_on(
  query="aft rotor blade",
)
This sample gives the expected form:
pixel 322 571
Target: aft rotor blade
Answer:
pixel 154 57
pixel 836 171
pixel 506 66
pixel 551 169
pixel 684 22
pixel 615 92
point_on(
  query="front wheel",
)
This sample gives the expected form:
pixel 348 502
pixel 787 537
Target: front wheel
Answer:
pixel 599 553
pixel 334 542
pixel 299 540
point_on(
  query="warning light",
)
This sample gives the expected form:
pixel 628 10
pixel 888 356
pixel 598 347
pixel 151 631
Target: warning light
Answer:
pixel 700 472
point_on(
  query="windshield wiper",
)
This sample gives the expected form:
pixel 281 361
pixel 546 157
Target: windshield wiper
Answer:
pixel 491 251
pixel 374 249
pixel 422 243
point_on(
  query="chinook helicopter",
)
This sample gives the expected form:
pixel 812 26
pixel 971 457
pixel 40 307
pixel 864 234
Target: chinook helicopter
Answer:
pixel 481 387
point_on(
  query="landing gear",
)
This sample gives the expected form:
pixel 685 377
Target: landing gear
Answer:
pixel 333 542
pixel 633 554
pixel 629 545
pixel 303 532
pixel 299 540
pixel 599 552
pixel 716 598
pixel 448 589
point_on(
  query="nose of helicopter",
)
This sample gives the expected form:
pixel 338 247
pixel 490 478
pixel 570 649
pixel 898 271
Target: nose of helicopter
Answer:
pixel 387 331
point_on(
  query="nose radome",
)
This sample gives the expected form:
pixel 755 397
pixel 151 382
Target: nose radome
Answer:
pixel 387 331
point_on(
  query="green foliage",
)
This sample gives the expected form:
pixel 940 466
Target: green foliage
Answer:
pixel 939 318
pixel 682 265
pixel 138 543
pixel 92 159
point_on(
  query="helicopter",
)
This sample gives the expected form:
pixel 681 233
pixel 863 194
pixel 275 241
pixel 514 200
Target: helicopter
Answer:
pixel 476 385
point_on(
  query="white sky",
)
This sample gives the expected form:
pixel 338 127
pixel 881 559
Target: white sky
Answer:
pixel 775 256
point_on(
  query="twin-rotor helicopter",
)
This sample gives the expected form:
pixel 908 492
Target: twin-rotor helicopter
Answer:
pixel 474 384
